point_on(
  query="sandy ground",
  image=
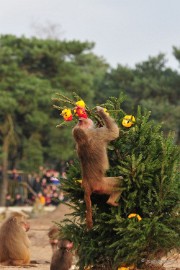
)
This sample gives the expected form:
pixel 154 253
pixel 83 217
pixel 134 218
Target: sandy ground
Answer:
pixel 41 250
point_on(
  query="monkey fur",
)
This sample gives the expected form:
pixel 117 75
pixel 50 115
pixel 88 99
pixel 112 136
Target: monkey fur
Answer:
pixel 62 258
pixel 54 237
pixel 14 242
pixel 91 145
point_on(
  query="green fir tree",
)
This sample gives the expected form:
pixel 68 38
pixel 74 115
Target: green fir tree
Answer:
pixel 145 225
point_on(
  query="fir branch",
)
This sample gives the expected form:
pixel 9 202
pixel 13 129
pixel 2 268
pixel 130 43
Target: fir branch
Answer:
pixel 57 107
pixel 64 123
pixel 65 99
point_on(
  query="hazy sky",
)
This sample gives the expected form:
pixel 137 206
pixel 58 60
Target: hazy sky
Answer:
pixel 124 31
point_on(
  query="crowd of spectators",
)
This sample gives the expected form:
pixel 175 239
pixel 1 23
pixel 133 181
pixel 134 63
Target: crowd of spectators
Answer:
pixel 44 187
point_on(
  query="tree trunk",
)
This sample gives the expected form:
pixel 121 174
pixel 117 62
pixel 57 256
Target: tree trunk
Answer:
pixel 7 133
pixel 4 180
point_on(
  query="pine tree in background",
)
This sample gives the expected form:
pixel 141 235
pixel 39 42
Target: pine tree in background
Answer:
pixel 146 223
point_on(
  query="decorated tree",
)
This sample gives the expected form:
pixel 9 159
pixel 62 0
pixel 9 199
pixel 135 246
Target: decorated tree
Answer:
pixel 145 225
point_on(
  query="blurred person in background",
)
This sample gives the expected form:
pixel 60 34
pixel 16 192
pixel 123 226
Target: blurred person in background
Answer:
pixel 18 201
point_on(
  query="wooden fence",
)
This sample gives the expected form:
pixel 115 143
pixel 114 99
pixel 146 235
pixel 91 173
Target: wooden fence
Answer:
pixel 22 187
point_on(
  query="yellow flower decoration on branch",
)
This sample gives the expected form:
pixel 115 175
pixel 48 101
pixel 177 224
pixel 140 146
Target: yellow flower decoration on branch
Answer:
pixel 106 111
pixel 139 218
pixel 81 103
pixel 79 181
pixel 131 267
pixel 80 110
pixel 128 120
pixel 67 115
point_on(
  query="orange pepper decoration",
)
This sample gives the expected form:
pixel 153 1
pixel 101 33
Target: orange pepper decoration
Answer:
pixel 67 115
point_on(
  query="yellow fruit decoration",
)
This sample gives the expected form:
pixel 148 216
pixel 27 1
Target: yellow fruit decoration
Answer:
pixel 136 216
pixel 131 267
pixel 128 120
pixel 105 110
pixel 78 181
pixel 67 115
pixel 88 267
pixel 81 103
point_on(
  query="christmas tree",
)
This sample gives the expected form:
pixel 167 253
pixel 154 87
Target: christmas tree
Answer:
pixel 145 225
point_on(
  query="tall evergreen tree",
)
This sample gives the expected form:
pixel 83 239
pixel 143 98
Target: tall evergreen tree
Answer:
pixel 146 222
pixel 31 71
